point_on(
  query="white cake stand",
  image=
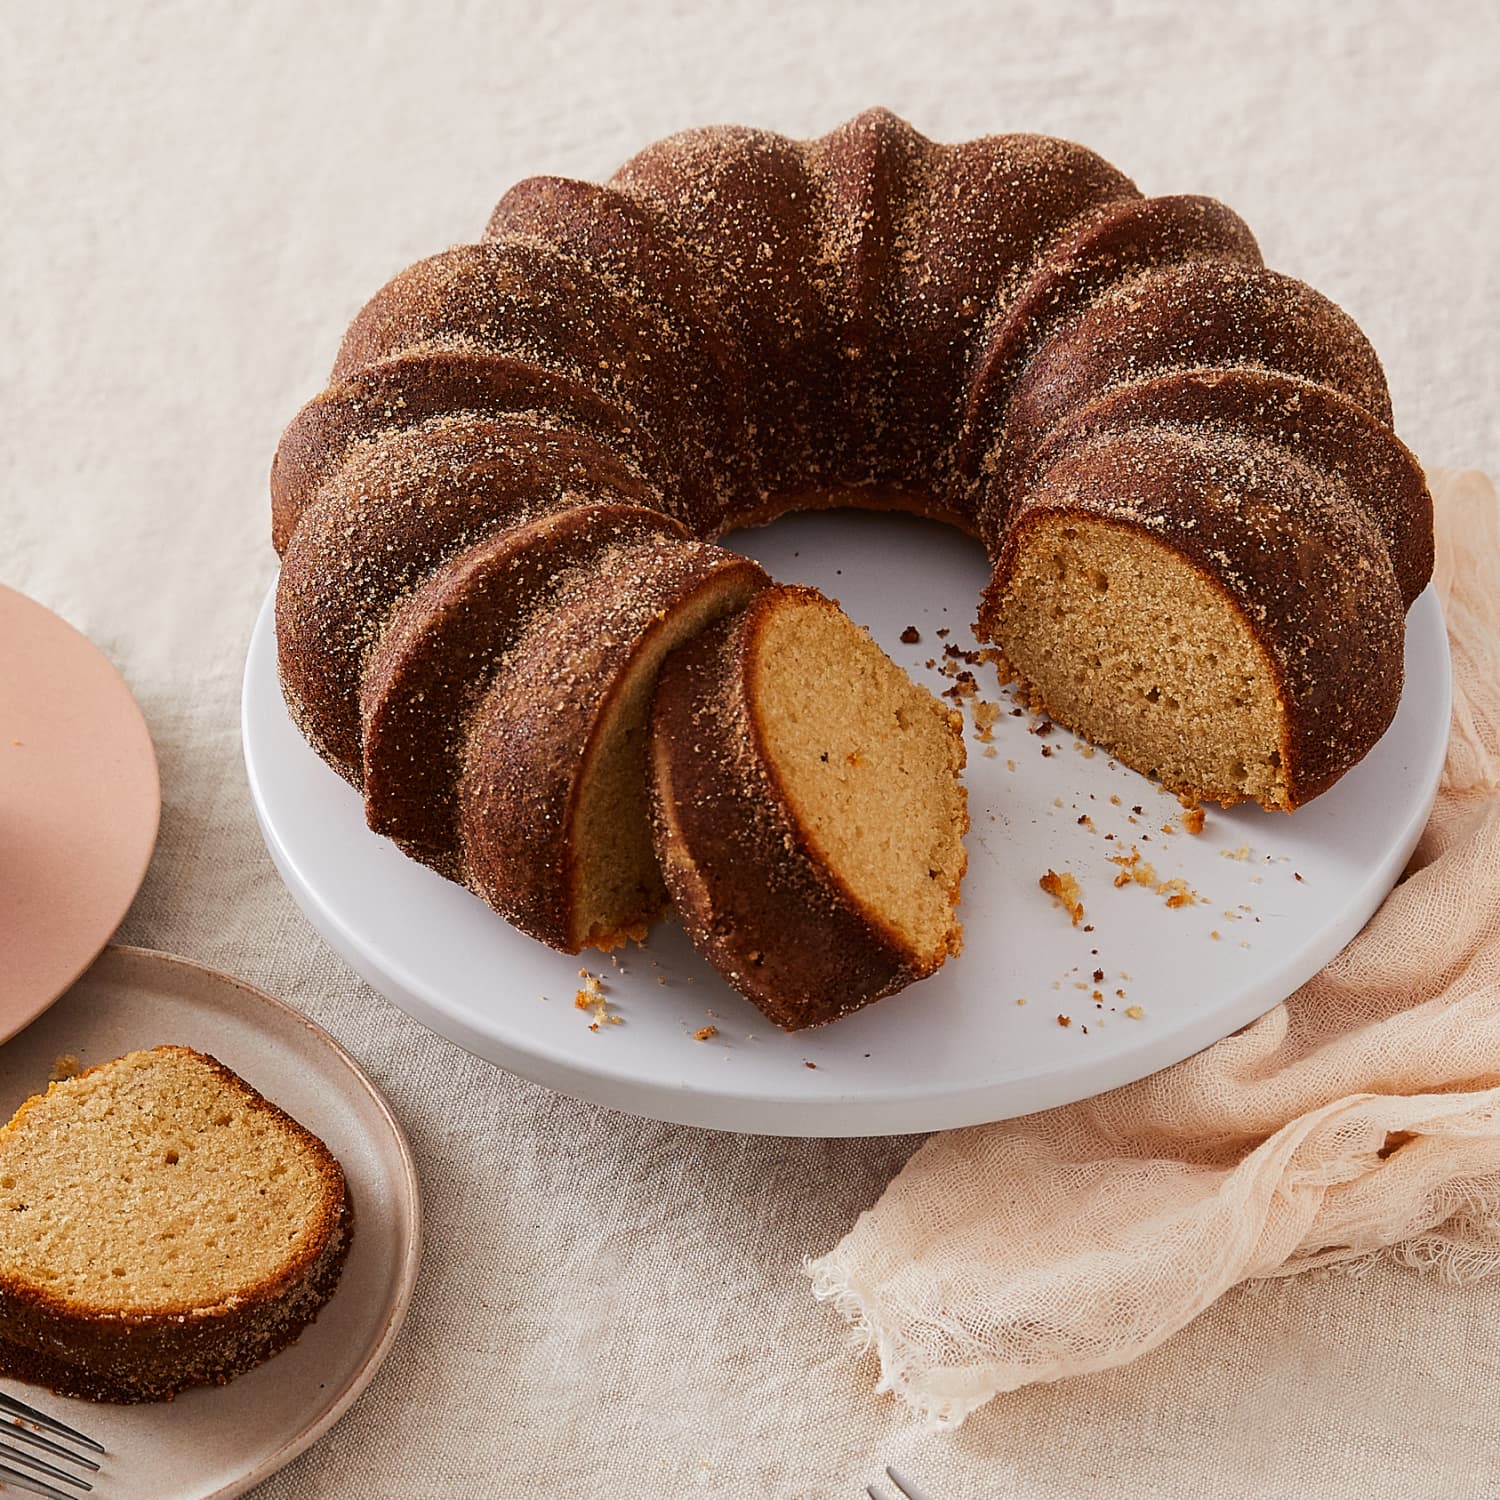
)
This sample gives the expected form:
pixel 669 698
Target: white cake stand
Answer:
pixel 1281 896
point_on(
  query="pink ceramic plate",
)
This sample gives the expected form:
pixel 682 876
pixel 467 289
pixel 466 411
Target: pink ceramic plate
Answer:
pixel 219 1441
pixel 79 806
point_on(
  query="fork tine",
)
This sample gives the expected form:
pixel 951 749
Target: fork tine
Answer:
pixel 51 1470
pixel 873 1493
pixel 32 1486
pixel 26 1435
pixel 905 1485
pixel 31 1414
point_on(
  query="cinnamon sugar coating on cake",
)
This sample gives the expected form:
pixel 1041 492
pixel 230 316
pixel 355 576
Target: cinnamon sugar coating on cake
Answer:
pixel 1125 238
pixel 402 507
pixel 748 208
pixel 1204 534
pixel 1241 616
pixel 453 637
pixel 552 802
pixel 806 807
pixel 1202 314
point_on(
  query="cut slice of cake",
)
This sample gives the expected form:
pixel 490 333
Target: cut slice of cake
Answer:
pixel 807 810
pixel 553 807
pixel 164 1226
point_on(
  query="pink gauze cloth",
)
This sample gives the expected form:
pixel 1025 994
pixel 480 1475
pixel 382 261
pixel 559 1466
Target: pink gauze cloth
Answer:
pixel 1361 1117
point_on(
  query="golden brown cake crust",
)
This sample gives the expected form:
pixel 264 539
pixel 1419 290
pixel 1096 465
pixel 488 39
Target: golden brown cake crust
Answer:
pixel 620 239
pixel 746 207
pixel 534 738
pixel 447 642
pixel 418 384
pixel 533 303
pixel 1196 315
pixel 973 220
pixel 134 1355
pixel 1305 569
pixel 416 498
pixel 1313 423
pixel 1126 237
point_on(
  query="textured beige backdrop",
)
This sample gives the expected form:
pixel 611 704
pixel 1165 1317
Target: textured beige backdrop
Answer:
pixel 194 200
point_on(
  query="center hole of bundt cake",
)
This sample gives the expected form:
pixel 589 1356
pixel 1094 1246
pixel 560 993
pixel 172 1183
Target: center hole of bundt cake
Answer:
pixel 1128 644
pixel 869 762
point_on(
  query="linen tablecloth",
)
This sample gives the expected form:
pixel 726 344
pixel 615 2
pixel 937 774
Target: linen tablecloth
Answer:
pixel 197 198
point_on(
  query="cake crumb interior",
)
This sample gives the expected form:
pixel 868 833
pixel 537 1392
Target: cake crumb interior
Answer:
pixel 1129 645
pixel 150 1183
pixel 869 762
pixel 620 888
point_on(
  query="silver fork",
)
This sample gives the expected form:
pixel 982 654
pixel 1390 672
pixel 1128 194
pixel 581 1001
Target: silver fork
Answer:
pixel 16 1414
pixel 902 1483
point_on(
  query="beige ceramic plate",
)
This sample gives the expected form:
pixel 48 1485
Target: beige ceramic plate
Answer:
pixel 217 1442
pixel 79 804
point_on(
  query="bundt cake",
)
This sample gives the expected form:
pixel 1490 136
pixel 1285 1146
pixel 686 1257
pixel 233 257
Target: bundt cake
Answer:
pixel 164 1226
pixel 501 513
pixel 802 782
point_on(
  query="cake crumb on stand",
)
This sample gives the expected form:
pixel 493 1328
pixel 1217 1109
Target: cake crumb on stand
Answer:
pixel 1065 892
pixel 591 997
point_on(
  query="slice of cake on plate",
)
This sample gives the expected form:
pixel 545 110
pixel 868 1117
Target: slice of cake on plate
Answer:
pixel 161 1226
